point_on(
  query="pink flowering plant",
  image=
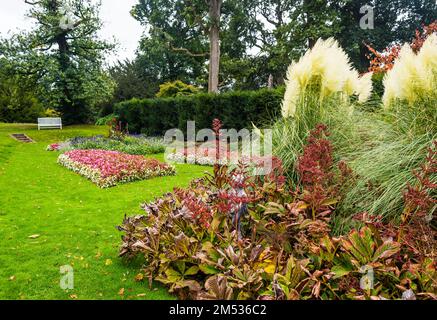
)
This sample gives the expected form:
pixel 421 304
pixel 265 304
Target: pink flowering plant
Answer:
pixel 53 147
pixel 109 168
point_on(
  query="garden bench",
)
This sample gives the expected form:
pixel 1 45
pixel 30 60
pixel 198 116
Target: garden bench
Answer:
pixel 49 123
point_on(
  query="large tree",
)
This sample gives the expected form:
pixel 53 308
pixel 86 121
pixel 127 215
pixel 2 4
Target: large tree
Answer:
pixel 201 30
pixel 283 30
pixel 259 38
pixel 393 21
pixel 64 54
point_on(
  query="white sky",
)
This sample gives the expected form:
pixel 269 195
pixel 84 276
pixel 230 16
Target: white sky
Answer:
pixel 115 14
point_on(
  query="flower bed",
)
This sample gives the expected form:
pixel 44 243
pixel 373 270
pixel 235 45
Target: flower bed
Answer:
pixel 109 168
pixel 135 145
pixel 207 157
pixel 201 156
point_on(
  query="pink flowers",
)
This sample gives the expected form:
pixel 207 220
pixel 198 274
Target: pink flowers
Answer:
pixel 53 147
pixel 108 168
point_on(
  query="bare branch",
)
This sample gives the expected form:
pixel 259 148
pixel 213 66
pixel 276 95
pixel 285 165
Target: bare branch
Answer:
pixel 188 52
pixel 32 2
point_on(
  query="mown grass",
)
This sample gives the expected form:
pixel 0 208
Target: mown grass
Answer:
pixel 75 221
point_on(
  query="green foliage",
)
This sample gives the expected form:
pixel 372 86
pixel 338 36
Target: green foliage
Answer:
pixel 390 24
pixel 172 25
pixel 65 62
pixel 236 109
pixel 176 89
pixel 281 249
pixel 106 120
pixel 129 145
pixel 51 113
pixel 395 142
pixel 384 165
pixel 378 86
pixel 18 103
pixel 132 81
pixel 279 30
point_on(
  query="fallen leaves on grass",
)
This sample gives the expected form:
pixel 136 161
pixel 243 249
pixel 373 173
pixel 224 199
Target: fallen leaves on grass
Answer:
pixel 139 277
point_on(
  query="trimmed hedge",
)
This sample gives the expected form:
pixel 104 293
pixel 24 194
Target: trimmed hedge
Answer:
pixel 238 109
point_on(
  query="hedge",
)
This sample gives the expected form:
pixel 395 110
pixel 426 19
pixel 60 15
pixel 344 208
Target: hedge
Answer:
pixel 238 110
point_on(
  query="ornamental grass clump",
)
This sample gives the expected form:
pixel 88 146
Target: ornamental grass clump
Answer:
pixel 411 89
pixel 321 87
pixel 324 71
pixel 400 142
pixel 109 168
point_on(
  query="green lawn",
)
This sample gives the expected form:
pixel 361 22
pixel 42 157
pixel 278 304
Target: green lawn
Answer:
pixel 75 220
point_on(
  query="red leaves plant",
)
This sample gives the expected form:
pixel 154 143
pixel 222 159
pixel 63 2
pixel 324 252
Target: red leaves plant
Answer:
pixel 381 62
pixel 321 181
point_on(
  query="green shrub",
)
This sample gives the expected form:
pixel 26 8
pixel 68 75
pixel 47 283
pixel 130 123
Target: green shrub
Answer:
pixel 378 86
pixel 236 110
pixel 51 113
pixel 129 145
pixel 18 104
pixel 104 121
pixel 176 89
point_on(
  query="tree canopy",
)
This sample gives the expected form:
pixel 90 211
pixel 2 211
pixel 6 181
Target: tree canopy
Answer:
pixel 214 45
pixel 63 55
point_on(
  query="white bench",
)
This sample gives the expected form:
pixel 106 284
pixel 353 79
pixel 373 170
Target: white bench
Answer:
pixel 49 123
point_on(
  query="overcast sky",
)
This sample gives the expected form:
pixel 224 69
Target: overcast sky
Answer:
pixel 115 15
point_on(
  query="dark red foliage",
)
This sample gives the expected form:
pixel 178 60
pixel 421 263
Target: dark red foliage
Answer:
pixel 323 183
pixel 420 37
pixel 216 127
pixel 381 62
pixel 315 165
pixel 416 231
pixel 235 236
pixel 116 129
pixel 418 220
pixel 418 199
pixel 315 169
pixel 276 174
pixel 198 210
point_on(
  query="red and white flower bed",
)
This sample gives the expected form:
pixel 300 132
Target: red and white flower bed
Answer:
pixel 109 168
pixel 207 157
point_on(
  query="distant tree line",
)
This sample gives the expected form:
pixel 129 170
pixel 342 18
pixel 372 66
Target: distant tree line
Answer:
pixel 213 45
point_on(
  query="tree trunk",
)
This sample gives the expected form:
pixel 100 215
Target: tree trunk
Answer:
pixel 214 41
pixel 71 109
pixel 66 101
pixel 309 6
